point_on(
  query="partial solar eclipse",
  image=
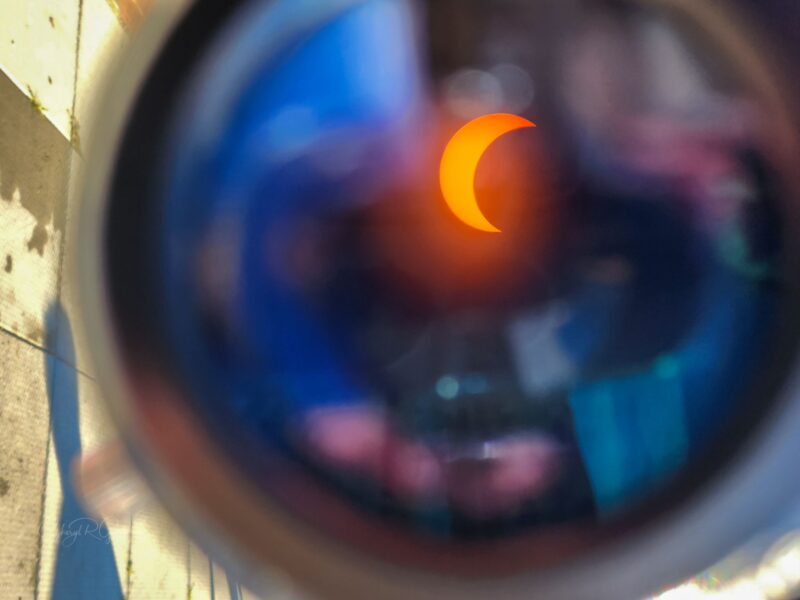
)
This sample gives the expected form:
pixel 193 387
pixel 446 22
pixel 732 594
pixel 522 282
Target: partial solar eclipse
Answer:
pixel 460 162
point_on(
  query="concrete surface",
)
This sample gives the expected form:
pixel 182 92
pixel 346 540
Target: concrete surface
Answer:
pixel 52 56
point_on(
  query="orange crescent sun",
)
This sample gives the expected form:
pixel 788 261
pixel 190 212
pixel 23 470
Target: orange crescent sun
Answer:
pixel 460 161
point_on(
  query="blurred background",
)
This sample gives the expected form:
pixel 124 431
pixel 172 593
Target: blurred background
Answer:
pixel 633 102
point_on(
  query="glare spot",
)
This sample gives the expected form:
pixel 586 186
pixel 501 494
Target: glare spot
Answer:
pixel 517 86
pixel 470 93
pixel 476 384
pixel 447 387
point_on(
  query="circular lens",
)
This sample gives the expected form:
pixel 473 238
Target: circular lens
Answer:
pixel 472 270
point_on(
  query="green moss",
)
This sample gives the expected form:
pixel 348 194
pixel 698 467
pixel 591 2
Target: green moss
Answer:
pixel 128 577
pixel 74 132
pixel 36 103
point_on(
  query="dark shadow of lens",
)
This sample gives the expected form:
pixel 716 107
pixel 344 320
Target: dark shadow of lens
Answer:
pixel 85 567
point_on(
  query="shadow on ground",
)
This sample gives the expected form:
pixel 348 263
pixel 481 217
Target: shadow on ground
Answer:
pixel 85 567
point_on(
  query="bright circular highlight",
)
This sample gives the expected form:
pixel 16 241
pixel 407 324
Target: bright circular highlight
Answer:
pixel 460 162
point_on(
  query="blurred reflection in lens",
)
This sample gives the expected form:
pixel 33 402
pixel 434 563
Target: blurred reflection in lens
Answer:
pixel 335 315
